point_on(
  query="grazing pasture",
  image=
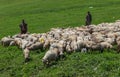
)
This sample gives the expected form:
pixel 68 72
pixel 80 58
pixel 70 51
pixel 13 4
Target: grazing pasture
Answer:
pixel 41 15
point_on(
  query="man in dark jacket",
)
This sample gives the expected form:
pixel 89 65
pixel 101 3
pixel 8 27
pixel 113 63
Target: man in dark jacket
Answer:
pixel 23 27
pixel 88 19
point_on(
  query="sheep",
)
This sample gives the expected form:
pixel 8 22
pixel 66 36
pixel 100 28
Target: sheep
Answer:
pixel 16 36
pixel 68 47
pixel 32 38
pixel 97 46
pixel 111 35
pixel 110 40
pixel 74 45
pixel 61 49
pixel 18 42
pixel 12 43
pixel 23 44
pixel 57 35
pixel 106 45
pixel 46 44
pixel 88 45
pixel 35 46
pixel 23 36
pixel 80 44
pixel 26 53
pixel 29 43
pixel 59 46
pixel 5 41
pixel 118 40
pixel 50 55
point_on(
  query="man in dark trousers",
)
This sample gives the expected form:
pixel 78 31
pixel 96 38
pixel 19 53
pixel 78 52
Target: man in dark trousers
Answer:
pixel 23 27
pixel 88 19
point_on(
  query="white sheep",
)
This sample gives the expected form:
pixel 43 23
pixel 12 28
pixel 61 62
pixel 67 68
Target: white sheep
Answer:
pixel 110 40
pixel 5 41
pixel 96 46
pixel 68 47
pixel 26 53
pixel 23 44
pixel 106 45
pixel 18 41
pixel 50 55
pixel 36 46
pixel 46 44
pixel 12 43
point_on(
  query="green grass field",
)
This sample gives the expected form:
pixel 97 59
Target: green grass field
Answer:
pixel 41 15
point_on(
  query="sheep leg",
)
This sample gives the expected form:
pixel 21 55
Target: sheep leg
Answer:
pixel 92 49
pixel 62 56
pixel 27 60
pixel 108 49
pixel 118 49
pixel 101 49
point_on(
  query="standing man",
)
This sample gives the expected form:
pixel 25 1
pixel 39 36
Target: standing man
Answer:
pixel 88 19
pixel 23 27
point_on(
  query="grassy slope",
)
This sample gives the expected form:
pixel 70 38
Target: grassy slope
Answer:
pixel 41 15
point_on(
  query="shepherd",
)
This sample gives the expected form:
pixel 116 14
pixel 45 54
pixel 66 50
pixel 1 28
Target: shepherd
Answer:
pixel 88 19
pixel 23 27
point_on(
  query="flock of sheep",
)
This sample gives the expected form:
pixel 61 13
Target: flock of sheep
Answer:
pixel 59 40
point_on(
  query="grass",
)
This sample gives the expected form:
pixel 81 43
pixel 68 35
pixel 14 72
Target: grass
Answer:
pixel 41 15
